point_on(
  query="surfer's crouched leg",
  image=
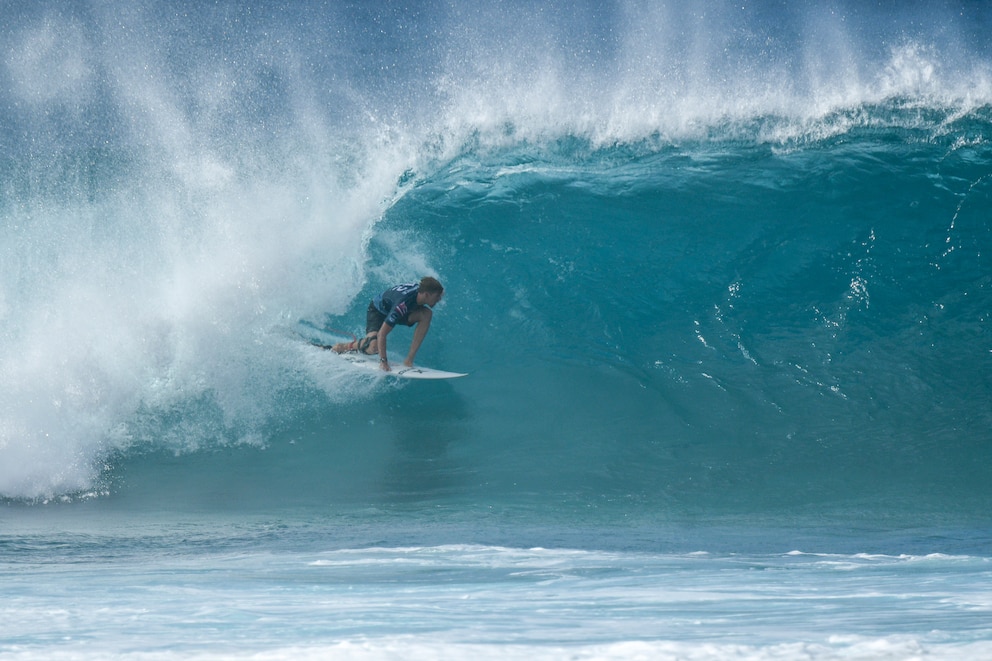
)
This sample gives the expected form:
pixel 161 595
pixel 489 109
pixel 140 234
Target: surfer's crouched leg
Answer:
pixel 342 347
pixel 365 345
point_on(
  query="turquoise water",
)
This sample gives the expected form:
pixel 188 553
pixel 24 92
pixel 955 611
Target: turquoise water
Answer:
pixel 719 274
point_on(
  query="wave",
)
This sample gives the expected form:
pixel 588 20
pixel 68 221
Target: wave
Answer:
pixel 180 188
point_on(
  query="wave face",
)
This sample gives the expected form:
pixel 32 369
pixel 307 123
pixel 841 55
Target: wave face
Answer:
pixel 698 258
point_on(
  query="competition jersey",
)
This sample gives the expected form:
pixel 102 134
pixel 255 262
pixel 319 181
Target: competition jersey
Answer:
pixel 397 303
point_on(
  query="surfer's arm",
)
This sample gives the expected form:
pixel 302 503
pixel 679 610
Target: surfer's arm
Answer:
pixel 383 360
pixel 422 317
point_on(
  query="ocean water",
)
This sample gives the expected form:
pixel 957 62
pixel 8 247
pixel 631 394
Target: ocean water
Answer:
pixel 720 274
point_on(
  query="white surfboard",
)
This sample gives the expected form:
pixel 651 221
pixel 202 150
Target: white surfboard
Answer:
pixel 397 368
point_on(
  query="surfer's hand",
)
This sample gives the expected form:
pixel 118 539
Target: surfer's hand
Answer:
pixel 384 366
pixel 408 362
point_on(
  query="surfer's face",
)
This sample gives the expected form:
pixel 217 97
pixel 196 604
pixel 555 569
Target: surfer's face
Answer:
pixel 433 298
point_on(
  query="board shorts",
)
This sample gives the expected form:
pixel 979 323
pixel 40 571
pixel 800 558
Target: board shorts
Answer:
pixel 373 319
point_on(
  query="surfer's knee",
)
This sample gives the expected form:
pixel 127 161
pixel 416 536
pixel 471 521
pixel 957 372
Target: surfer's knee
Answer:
pixel 369 344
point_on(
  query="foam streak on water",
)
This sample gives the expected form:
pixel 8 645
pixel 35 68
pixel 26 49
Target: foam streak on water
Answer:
pixel 446 601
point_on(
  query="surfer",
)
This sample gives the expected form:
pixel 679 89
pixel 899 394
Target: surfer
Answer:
pixel 407 304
